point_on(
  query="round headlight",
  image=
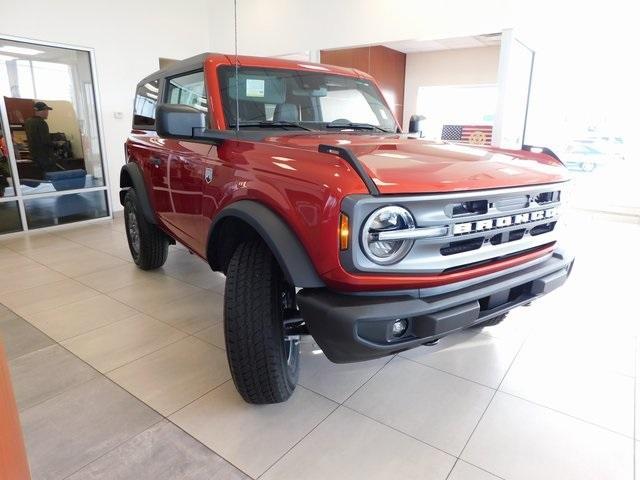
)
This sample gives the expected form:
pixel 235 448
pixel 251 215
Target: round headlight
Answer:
pixel 387 219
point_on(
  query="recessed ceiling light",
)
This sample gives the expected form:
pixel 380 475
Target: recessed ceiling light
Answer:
pixel 20 50
pixel 6 58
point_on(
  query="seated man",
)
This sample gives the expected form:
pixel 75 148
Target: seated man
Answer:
pixel 38 137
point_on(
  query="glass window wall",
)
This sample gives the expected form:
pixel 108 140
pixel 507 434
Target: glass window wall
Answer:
pixel 49 134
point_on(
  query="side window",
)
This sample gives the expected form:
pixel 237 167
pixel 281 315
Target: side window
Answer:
pixel 144 107
pixel 188 90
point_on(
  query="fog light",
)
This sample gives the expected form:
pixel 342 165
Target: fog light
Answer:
pixel 399 327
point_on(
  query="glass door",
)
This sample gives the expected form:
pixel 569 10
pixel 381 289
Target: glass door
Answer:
pixel 10 220
pixel 51 161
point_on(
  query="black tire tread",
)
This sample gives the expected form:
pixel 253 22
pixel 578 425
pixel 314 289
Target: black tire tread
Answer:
pixel 253 326
pixel 154 244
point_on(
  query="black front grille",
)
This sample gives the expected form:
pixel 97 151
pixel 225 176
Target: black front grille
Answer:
pixel 540 229
pixel 478 207
pixel 548 197
pixel 463 246
pixel 508 236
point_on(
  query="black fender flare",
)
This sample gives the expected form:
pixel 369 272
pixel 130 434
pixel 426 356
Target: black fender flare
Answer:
pixel 281 240
pixel 131 177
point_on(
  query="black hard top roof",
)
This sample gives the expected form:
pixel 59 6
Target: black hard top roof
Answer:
pixel 191 63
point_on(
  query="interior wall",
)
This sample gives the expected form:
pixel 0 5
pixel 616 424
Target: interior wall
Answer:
pixel 128 38
pixel 63 119
pixel 278 27
pixel 465 66
pixel 384 64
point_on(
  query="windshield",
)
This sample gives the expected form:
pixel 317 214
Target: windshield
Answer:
pixel 272 97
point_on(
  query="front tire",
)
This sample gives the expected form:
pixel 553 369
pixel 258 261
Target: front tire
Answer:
pixel 148 245
pixel 264 364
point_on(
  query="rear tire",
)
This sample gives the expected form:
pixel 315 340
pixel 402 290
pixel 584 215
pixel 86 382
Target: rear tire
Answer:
pixel 264 365
pixel 492 321
pixel 149 246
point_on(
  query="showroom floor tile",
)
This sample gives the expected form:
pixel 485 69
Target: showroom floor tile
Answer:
pixel 68 431
pixel 163 452
pixel 354 446
pixel 471 355
pixel 192 313
pixel 465 471
pixel 517 439
pixel 111 279
pixel 73 319
pixel 119 343
pixel 56 252
pixel 433 406
pixel 154 291
pixel 544 395
pixel 335 381
pixel 45 373
pixel 41 298
pixel 27 276
pixel 10 260
pixel 213 335
pixel 191 269
pixel 86 263
pixel 174 376
pixel 20 337
pixel 252 438
pixel 596 395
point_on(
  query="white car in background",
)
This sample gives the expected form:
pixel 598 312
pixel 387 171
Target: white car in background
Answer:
pixel 587 154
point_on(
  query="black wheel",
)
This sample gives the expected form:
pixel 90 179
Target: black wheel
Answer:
pixel 264 362
pixel 149 246
pixel 492 321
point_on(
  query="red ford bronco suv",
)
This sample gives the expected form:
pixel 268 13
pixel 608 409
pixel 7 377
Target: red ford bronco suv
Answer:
pixel 295 181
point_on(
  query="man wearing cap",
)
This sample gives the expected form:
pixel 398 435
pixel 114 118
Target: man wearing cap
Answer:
pixel 40 145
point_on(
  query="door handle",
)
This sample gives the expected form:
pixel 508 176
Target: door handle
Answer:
pixel 155 161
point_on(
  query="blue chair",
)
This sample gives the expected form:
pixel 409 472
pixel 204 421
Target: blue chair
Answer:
pixel 66 179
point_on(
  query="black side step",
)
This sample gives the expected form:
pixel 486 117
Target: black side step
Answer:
pixel 355 163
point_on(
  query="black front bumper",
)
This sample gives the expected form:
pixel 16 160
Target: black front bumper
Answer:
pixel 352 328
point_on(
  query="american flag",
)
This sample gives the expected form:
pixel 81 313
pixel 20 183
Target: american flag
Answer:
pixel 474 134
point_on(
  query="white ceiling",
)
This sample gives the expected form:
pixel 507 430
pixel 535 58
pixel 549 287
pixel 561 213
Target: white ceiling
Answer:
pixel 47 53
pixel 414 46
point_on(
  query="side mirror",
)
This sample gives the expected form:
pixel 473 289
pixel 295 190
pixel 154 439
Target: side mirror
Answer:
pixel 180 121
pixel 416 124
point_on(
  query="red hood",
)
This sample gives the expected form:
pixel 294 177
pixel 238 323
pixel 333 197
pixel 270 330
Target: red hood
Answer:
pixel 399 164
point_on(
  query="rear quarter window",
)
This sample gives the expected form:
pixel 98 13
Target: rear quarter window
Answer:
pixel 144 106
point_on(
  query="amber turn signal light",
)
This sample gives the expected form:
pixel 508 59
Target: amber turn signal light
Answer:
pixel 344 232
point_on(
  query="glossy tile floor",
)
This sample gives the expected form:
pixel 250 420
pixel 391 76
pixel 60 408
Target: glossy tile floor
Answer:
pixel 122 374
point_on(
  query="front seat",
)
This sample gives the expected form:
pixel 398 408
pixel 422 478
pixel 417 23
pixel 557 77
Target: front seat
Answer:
pixel 286 112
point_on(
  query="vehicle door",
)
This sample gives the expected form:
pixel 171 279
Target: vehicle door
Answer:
pixel 186 159
pixel 148 149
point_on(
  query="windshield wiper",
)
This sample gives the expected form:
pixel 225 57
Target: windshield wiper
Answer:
pixel 269 124
pixel 357 126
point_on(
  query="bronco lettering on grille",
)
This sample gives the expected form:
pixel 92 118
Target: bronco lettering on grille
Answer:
pixel 502 222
